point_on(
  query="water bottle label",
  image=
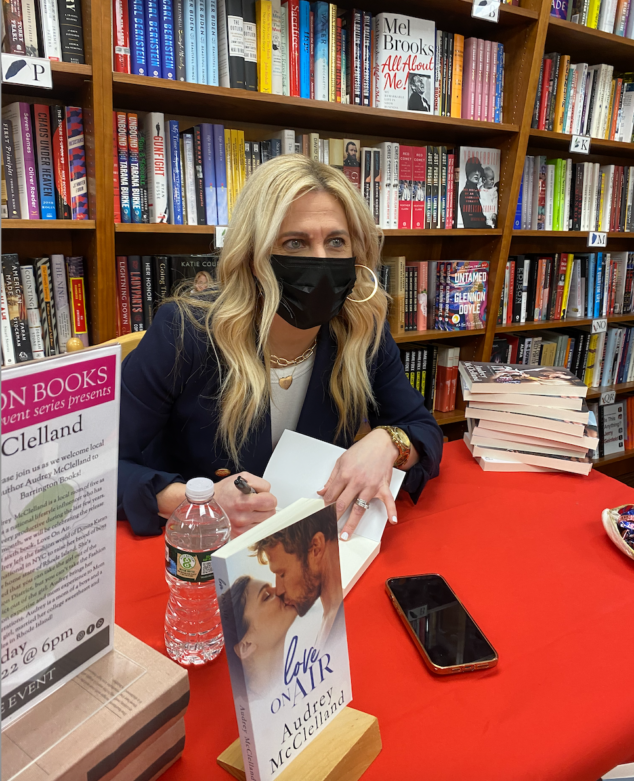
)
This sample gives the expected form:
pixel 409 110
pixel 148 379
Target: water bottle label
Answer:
pixel 188 566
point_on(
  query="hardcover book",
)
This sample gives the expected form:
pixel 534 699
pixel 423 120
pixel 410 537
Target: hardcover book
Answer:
pixel 478 184
pixel 404 63
pixel 71 31
pixel 16 308
pixel 465 296
pixel 512 378
pixel 156 164
pixel 138 51
pixel 44 147
pixel 281 605
pixel 77 163
pixel 77 295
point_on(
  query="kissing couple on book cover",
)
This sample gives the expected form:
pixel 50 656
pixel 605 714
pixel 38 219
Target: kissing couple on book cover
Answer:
pixel 281 605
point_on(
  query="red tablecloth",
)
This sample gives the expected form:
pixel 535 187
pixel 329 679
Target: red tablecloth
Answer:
pixel 529 557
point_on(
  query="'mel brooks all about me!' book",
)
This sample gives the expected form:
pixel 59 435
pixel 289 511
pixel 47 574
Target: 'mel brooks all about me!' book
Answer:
pixel 281 604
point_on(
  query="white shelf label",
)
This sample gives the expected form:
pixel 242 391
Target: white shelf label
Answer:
pixel 599 326
pixel 597 239
pixel 486 9
pixel 220 235
pixel 609 397
pixel 29 71
pixel 580 145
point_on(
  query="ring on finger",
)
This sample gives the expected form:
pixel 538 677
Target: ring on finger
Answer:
pixel 360 503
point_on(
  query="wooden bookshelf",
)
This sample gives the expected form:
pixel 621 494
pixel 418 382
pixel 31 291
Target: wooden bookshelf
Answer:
pixel 550 324
pixel 623 387
pixel 527 31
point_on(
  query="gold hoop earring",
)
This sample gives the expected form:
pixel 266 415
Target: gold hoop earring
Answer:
pixel 373 293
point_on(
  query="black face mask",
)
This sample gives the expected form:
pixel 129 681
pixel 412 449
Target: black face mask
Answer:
pixel 314 290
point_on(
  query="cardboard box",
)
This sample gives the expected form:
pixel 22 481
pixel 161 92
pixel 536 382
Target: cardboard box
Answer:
pixel 96 731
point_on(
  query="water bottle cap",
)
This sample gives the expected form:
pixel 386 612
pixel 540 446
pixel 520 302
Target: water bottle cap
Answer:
pixel 199 489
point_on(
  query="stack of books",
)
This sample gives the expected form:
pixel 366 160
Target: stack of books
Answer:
pixel 566 286
pixel 43 305
pixel 609 16
pixel 43 163
pixel 523 419
pixel 312 50
pixel 582 99
pixel 561 195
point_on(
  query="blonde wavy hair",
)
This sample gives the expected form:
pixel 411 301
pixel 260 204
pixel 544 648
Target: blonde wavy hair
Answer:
pixel 236 314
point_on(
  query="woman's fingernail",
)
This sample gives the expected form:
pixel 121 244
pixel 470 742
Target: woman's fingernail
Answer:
pixel 344 536
pixel 393 519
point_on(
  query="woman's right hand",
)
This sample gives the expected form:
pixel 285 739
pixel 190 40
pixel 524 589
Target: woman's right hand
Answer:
pixel 245 510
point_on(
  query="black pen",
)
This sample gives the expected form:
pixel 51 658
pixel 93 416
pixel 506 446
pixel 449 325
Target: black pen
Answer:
pixel 242 485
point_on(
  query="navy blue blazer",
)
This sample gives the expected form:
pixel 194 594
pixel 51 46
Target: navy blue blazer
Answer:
pixel 169 416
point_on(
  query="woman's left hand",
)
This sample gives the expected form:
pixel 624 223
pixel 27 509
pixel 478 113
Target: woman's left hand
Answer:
pixel 364 471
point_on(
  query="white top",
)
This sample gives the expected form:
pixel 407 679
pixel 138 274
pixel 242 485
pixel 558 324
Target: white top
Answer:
pixel 286 405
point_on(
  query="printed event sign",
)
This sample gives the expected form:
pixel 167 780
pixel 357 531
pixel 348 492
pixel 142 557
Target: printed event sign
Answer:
pixel 60 439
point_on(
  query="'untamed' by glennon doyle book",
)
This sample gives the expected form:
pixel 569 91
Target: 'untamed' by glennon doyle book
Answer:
pixel 281 605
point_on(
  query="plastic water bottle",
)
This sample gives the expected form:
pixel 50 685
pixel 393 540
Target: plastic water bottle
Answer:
pixel 196 528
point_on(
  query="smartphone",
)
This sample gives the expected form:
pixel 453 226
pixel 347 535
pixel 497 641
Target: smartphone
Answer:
pixel 446 636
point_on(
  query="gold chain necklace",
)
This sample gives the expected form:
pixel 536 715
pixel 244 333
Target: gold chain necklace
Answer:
pixel 286 382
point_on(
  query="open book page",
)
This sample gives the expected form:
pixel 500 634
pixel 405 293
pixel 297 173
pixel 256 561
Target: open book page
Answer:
pixel 299 467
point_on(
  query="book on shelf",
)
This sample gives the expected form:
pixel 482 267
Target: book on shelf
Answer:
pixel 608 16
pixel 44 304
pixel 50 29
pixel 583 99
pixel 44 161
pixel 312 50
pixel 559 432
pixel 478 175
pixel 566 286
pixel 432 370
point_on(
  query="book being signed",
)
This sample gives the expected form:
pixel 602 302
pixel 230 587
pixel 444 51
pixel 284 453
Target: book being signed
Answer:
pixel 281 605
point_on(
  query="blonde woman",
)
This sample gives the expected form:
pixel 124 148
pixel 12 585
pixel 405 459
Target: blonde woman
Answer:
pixel 293 336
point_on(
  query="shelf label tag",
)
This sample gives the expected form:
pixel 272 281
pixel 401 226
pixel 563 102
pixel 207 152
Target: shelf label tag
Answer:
pixel 609 397
pixel 597 239
pixel 220 235
pixel 28 71
pixel 600 325
pixel 580 145
pixel 486 9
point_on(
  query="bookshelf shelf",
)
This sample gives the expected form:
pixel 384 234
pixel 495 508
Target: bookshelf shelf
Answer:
pixel 441 233
pixel 224 105
pixel 418 336
pixel 162 228
pixel 46 225
pixel 589 45
pixel 67 77
pixel 623 387
pixel 613 459
pixel 568 234
pixel 549 324
pixel 560 142
pixel 445 418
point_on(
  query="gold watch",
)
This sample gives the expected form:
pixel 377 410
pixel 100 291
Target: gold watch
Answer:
pixel 401 440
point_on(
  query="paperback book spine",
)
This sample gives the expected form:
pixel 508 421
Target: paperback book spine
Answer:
pixel 44 147
pixel 120 35
pixel 77 163
pixel 124 167
pixel 160 277
pixel 221 174
pixel 10 171
pixel 77 294
pixel 19 114
pixel 157 174
pixel 191 62
pixel 249 28
pixel 211 13
pixel 46 301
pixel 123 296
pixel 71 31
pixel 13 27
pixel 115 169
pixel 405 168
pixel 292 13
pixel 166 21
pixel 189 177
pixel 321 50
pixel 367 58
pixel 31 23
pixel 62 306
pixel 136 292
pixel 138 54
pixel 332 53
pixel 209 173
pixel 176 189
pixel 153 22
pixel 201 41
pixel 8 352
pixel 179 40
pixel 277 84
pixel 304 51
pixel 16 308
pixel 136 211
pixel 147 293
pixel 29 287
pixel 264 29
pixel 145 213
pixel 200 182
